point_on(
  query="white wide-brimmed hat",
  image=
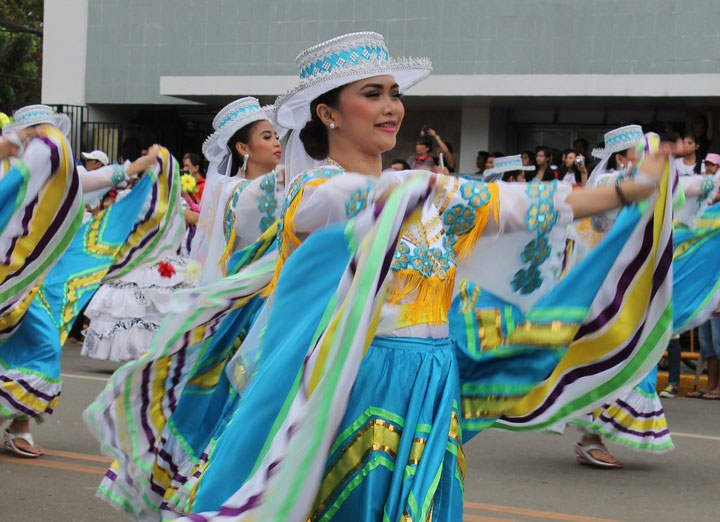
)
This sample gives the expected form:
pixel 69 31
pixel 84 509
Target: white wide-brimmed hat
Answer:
pixel 231 118
pixel 339 61
pixel 507 164
pixel 37 115
pixel 620 139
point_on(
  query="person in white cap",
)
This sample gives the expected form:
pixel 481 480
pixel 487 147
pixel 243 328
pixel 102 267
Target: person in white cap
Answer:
pixel 94 160
pixel 384 439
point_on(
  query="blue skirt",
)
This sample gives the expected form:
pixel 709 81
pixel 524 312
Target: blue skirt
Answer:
pixel 397 452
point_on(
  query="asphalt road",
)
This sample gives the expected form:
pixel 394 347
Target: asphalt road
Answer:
pixel 526 477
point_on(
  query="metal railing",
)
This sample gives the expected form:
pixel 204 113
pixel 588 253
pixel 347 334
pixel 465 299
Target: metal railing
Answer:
pixel 78 115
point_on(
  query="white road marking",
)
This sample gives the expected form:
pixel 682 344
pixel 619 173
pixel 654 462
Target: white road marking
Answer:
pixel 86 377
pixel 693 435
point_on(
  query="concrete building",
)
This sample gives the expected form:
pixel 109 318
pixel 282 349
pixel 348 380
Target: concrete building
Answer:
pixel 508 74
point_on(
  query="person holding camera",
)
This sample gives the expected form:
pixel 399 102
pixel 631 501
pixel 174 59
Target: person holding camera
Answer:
pixel 422 158
pixel 573 169
pixel 443 148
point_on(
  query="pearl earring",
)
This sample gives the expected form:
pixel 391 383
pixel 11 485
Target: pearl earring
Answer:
pixel 332 125
pixel 245 160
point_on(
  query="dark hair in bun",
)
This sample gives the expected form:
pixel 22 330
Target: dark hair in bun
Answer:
pixel 314 135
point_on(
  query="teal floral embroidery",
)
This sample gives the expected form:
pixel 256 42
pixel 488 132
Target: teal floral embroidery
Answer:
pixel 536 251
pixel 443 259
pixel 118 175
pixel 357 201
pixel 527 281
pixel 449 244
pixel 706 187
pixel 541 217
pixel 424 259
pixel 421 260
pixel 536 189
pixel 459 219
pixel 267 205
pixel 475 193
pixel 402 257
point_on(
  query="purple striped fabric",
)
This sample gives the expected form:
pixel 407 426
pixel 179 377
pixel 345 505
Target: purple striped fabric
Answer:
pixel 611 310
pixel 30 389
pixel 645 415
pixel 649 433
pixel 615 359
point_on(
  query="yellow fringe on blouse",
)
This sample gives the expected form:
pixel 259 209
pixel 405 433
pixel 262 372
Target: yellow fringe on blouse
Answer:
pixel 466 242
pixel 288 238
pixel 225 257
pixel 431 296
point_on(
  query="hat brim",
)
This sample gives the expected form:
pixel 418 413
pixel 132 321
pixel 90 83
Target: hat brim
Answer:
pixel 493 170
pixel 215 146
pixel 602 153
pixel 61 121
pixel 292 110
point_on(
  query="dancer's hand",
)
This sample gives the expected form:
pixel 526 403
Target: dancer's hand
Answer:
pixel 143 163
pixel 652 166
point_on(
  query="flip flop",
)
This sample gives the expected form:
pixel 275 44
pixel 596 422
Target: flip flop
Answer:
pixel 697 394
pixel 583 455
pixel 10 445
pixel 711 396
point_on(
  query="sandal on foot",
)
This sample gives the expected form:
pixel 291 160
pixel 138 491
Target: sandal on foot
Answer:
pixel 584 456
pixel 697 394
pixel 10 445
pixel 711 396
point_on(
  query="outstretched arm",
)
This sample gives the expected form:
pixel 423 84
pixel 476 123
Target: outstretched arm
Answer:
pixel 113 175
pixel 589 202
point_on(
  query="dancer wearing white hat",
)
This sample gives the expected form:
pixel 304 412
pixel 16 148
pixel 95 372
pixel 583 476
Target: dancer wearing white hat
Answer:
pixel 351 404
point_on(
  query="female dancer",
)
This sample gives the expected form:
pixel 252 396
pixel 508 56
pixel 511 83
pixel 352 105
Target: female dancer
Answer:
pixel 368 437
pixel 126 313
pixel 136 230
pixel 244 188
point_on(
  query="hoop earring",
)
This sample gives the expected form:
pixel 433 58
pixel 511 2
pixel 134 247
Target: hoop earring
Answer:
pixel 332 125
pixel 246 157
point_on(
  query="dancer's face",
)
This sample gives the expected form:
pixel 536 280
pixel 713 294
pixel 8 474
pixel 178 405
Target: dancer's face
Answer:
pixel 263 146
pixel 368 116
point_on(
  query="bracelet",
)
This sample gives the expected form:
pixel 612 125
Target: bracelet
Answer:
pixel 624 202
pixel 13 138
pixel 645 180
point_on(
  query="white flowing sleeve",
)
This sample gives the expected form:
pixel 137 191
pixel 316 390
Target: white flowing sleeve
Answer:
pixel 700 191
pixel 509 238
pixel 104 177
pixel 333 201
pixel 256 207
pixel 317 198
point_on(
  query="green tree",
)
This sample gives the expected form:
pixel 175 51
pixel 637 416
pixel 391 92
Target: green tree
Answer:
pixel 20 52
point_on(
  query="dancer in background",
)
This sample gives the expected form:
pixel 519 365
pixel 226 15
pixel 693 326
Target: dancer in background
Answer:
pixel 138 229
